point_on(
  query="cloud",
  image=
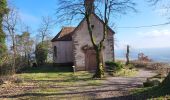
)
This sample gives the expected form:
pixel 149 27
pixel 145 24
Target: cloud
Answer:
pixel 162 11
pixel 121 44
pixel 146 39
pixel 155 34
pixel 153 39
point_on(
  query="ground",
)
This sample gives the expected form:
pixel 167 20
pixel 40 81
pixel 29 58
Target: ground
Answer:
pixel 67 85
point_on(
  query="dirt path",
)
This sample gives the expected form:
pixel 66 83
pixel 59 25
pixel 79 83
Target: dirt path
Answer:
pixel 121 85
pixel 115 87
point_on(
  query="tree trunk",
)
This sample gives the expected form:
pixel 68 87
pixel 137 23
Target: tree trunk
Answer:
pixel 14 51
pixel 127 55
pixel 14 59
pixel 100 64
pixel 113 48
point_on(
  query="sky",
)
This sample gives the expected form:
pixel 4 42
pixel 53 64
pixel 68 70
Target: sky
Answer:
pixel 31 12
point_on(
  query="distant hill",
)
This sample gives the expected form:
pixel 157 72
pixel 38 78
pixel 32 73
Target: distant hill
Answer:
pixel 156 54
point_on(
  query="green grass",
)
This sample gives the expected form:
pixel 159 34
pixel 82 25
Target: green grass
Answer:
pixel 59 78
pixel 125 72
pixel 51 83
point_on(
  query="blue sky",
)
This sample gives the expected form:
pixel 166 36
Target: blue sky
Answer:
pixel 31 12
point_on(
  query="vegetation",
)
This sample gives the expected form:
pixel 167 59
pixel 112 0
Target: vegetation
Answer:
pixel 10 23
pixel 157 92
pixel 3 11
pixel 120 69
pixel 154 89
pixel 24 46
pixel 48 82
pixel 115 66
pixel 41 53
pixel 166 82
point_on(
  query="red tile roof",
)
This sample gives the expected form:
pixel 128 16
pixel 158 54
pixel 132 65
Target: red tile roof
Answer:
pixel 64 34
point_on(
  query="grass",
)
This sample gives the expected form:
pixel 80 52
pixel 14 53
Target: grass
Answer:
pixel 150 93
pixel 160 92
pixel 49 82
pixel 125 72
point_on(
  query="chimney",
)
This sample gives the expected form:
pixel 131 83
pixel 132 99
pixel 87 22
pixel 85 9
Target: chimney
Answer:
pixel 89 6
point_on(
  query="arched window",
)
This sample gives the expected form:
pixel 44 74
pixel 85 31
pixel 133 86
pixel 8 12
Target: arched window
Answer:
pixel 55 51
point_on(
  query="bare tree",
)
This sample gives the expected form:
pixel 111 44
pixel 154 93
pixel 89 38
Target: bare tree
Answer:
pixel 45 27
pixel 70 10
pixel 162 4
pixel 10 23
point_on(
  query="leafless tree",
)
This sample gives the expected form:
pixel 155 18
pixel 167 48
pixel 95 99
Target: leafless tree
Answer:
pixel 105 9
pixel 45 27
pixel 162 4
pixel 10 25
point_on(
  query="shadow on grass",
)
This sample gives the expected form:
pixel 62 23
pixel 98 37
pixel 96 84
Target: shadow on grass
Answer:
pixel 47 68
pixel 71 94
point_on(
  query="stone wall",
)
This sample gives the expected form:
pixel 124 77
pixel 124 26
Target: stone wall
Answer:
pixel 81 38
pixel 64 52
pixel 160 67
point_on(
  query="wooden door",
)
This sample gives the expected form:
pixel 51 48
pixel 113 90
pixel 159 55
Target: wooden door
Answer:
pixel 90 60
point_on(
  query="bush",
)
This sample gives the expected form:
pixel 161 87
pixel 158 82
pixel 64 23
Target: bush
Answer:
pixel 130 66
pixel 6 70
pixel 166 82
pixel 151 83
pixel 41 53
pixel 116 66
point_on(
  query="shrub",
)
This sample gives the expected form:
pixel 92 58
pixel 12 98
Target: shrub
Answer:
pixel 116 66
pixel 6 70
pixel 151 83
pixel 166 81
pixel 130 66
pixel 41 53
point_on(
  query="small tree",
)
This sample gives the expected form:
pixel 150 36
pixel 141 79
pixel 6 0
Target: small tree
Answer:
pixel 24 45
pixel 10 24
pixel 41 53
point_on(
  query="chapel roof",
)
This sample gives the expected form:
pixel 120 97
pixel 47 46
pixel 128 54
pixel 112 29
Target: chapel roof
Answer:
pixel 64 34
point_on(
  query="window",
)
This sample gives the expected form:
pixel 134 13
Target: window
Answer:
pixel 92 26
pixel 55 51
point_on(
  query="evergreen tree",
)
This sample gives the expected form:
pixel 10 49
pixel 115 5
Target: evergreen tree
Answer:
pixel 3 11
pixel 41 53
